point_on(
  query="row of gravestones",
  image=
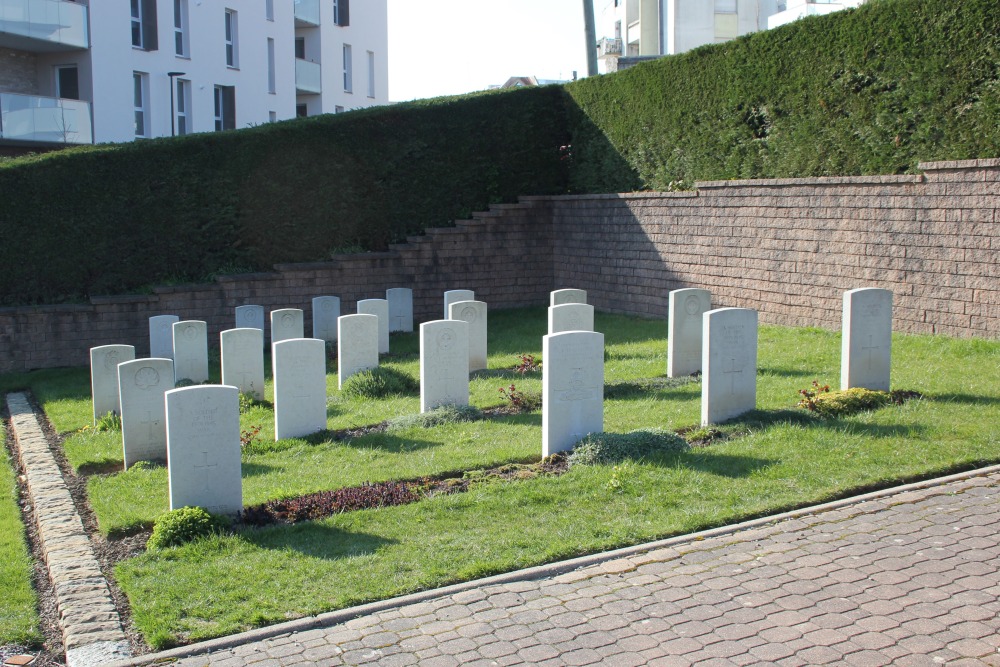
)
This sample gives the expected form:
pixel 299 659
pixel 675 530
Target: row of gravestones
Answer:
pixel 197 419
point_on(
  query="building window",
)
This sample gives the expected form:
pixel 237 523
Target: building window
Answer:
pixel 338 109
pixel 232 42
pixel 140 99
pixel 269 10
pixel 270 66
pixel 68 82
pixel 272 116
pixel 144 24
pixel 300 48
pixel 348 78
pixel 371 74
pixel 225 108
pixel 183 107
pixel 726 20
pixel 181 28
pixel 341 12
pixel 301 110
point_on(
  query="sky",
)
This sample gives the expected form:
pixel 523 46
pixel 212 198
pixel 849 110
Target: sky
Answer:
pixel 449 47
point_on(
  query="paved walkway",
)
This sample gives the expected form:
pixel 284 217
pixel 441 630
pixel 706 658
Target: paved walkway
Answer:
pixel 906 577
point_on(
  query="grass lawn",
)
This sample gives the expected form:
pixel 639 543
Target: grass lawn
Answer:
pixel 18 604
pixel 778 457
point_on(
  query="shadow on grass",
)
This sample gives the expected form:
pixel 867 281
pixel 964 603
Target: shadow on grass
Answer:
pixel 521 418
pixel 787 372
pixel 645 388
pixel 259 469
pixel 387 442
pixel 966 399
pixel 724 465
pixel 314 539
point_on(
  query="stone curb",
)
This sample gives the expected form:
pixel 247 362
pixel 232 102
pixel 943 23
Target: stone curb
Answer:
pixel 91 628
pixel 538 572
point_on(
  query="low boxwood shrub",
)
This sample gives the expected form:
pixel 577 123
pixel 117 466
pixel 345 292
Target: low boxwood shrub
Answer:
pixel 183 525
pixel 848 401
pixel 379 383
pixel 603 448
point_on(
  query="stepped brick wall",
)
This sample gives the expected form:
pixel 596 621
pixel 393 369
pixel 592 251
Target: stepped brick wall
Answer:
pixel 788 248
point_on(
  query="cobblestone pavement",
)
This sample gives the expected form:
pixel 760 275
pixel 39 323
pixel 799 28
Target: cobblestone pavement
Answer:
pixel 907 578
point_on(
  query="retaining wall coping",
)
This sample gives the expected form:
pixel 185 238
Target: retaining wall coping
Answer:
pixel 985 163
pixel 241 277
pixel 679 194
pixel 334 264
pixel 121 298
pixel 815 181
pixel 48 308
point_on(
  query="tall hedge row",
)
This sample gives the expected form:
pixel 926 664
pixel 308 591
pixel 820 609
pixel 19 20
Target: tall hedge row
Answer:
pixel 872 90
pixel 868 91
pixel 113 219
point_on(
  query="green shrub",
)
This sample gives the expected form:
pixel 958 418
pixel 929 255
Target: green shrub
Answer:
pixel 445 414
pixel 604 448
pixel 183 525
pixel 379 383
pixel 849 401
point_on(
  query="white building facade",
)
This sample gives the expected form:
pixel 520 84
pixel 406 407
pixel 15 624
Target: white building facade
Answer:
pixel 637 28
pixel 120 70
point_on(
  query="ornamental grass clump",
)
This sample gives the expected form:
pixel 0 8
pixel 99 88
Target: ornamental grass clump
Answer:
pixel 445 414
pixel 379 383
pixel 846 402
pixel 606 448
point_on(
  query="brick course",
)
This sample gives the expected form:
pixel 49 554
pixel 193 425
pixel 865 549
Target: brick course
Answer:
pixel 788 248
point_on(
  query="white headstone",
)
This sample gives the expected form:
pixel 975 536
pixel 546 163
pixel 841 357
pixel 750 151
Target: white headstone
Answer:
pixel 287 323
pixel 379 308
pixel 243 360
pixel 571 317
pixel 444 364
pixel 684 323
pixel 561 296
pixel 144 431
pixel 400 308
pixel 104 362
pixel 473 313
pixel 728 364
pixel 161 336
pixel 190 351
pixel 325 311
pixel 572 388
pixel 299 387
pixel 357 345
pixel 455 295
pixel 203 448
pixel 250 317
pixel 866 339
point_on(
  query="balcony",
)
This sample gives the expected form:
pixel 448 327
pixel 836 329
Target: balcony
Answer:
pixel 306 13
pixel 308 80
pixel 609 48
pixel 28 118
pixel 43 26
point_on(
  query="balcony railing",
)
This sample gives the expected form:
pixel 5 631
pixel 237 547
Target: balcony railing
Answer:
pixel 308 78
pixel 307 12
pixel 43 25
pixel 44 119
pixel 608 47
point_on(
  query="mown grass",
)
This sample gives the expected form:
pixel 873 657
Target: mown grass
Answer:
pixel 19 622
pixel 775 458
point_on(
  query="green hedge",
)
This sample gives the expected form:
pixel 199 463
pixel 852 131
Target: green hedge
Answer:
pixel 868 91
pixel 115 218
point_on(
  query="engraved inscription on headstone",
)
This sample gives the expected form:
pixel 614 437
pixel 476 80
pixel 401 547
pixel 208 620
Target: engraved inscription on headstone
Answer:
pixel 684 330
pixel 251 317
pixel 287 323
pixel 357 345
pixel 325 311
pixel 866 339
pixel 190 351
pixel 454 296
pixel 104 362
pixel 400 308
pixel 729 364
pixel 299 387
pixel 571 317
pixel 379 308
pixel 473 313
pixel 560 296
pixel 444 364
pixel 143 383
pixel 572 388
pixel 161 336
pixel 243 360
pixel 203 447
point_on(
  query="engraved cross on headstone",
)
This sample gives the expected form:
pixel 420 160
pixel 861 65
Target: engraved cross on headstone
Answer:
pixel 868 348
pixel 732 373
pixel 205 469
pixel 149 423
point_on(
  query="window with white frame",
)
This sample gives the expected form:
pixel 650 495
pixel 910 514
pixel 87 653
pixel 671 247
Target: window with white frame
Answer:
pixel 371 74
pixel 271 85
pixel 225 108
pixel 348 76
pixel 140 100
pixel 181 47
pixel 232 40
pixel 183 107
pixel 726 19
pixel 341 12
pixel 143 18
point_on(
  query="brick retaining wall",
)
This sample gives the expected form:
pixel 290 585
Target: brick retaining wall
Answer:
pixel 788 248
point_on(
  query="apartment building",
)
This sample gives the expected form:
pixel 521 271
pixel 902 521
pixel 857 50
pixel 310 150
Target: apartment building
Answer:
pixel 636 29
pixel 78 72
